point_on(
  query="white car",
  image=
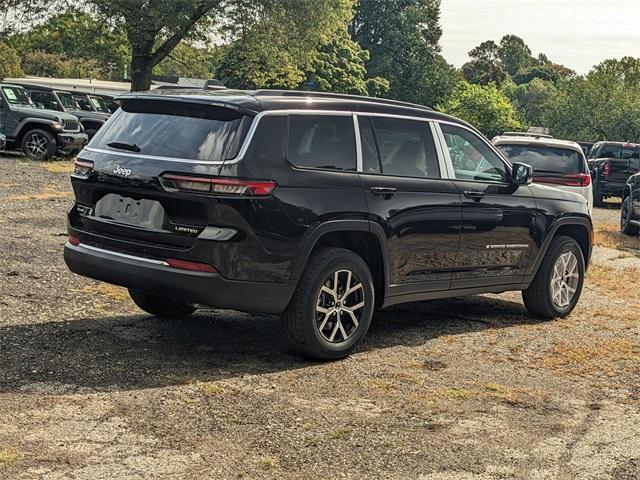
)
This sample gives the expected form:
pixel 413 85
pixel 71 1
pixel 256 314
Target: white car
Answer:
pixel 558 163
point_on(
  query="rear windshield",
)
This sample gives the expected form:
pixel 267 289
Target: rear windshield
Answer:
pixel 613 150
pixel 173 129
pixel 550 160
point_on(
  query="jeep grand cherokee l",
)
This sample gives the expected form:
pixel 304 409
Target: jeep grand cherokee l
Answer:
pixel 318 207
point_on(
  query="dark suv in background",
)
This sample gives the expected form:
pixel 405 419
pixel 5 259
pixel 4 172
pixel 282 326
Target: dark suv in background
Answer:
pixel 318 207
pixel 39 133
pixel 611 164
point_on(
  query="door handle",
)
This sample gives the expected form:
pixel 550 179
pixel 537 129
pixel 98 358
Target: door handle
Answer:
pixel 474 195
pixel 386 192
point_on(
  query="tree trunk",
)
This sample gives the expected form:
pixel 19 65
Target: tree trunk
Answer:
pixel 141 68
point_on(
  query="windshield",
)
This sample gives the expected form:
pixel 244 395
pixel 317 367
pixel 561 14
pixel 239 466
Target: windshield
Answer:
pixel 17 96
pixel 98 104
pixel 67 100
pixel 545 160
pixel 619 151
pixel 175 130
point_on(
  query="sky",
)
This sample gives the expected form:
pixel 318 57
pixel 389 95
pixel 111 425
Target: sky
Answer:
pixel 575 33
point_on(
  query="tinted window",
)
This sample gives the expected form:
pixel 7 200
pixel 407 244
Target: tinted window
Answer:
pixel 175 130
pixel 322 141
pixel 472 158
pixel 44 100
pixel 370 159
pixel 545 159
pixel 67 100
pixel 406 148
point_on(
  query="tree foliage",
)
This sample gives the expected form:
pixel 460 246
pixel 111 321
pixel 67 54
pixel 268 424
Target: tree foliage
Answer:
pixel 514 54
pixel 9 62
pixel 402 38
pixel 43 64
pixel 339 66
pixel 190 61
pixel 485 107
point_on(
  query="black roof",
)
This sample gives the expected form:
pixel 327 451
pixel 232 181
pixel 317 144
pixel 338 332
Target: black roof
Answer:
pixel 255 101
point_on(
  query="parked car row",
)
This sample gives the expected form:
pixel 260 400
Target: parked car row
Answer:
pixel 611 165
pixel 44 122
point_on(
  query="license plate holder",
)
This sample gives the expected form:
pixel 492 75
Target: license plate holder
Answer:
pixel 143 213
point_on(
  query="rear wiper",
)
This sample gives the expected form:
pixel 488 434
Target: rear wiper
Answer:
pixel 132 147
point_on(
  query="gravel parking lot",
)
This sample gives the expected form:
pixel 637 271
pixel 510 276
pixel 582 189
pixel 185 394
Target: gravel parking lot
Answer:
pixel 470 388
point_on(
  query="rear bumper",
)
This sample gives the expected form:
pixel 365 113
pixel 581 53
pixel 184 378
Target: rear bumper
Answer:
pixel 72 141
pixel 612 189
pixel 156 277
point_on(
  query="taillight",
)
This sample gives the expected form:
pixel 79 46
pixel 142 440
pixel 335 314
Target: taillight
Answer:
pixel 75 241
pixel 571 180
pixel 82 168
pixel 191 266
pixel 606 168
pixel 229 186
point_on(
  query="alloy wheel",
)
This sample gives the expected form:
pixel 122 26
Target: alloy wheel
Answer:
pixel 339 306
pixel 566 278
pixel 37 145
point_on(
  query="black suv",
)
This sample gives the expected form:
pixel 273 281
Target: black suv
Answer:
pixel 39 133
pixel 611 164
pixel 630 214
pixel 319 207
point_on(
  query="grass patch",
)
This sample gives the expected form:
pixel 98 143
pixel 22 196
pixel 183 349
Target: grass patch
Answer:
pixel 384 386
pixel 48 192
pixel 8 458
pixel 211 388
pixel 620 283
pixel 268 463
pixel 119 294
pixel 457 393
pixel 341 433
pixel 63 166
pixel 609 235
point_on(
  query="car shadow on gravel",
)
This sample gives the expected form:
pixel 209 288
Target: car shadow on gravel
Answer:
pixel 133 352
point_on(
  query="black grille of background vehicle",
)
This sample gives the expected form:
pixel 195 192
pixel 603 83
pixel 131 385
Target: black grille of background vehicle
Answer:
pixel 70 125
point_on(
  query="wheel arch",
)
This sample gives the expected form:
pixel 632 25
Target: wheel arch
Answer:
pixel 31 124
pixel 578 228
pixel 362 237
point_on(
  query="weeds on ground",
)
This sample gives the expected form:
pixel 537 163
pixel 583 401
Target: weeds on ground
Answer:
pixel 609 235
pixel 9 458
pixel 620 283
pixel 48 192
pixel 63 166
pixel 113 292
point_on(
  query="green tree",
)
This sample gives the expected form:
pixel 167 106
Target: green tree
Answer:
pixel 9 62
pixel 485 107
pixel 514 54
pixel 78 35
pixel 45 64
pixel 532 100
pixel 483 72
pixel 269 47
pixel 339 66
pixel 402 37
pixel 187 60
pixel 487 51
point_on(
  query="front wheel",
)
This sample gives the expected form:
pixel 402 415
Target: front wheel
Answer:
pixel 160 306
pixel 331 310
pixel 626 215
pixel 557 286
pixel 39 144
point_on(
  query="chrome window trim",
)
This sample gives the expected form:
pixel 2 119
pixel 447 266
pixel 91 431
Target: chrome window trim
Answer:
pixel 356 130
pixel 123 255
pixel 446 171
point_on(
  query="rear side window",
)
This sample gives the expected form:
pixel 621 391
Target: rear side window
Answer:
pixel 322 141
pixel 175 130
pixel 543 159
pixel 406 148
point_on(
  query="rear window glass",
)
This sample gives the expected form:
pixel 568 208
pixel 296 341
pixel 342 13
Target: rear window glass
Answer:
pixel 322 141
pixel 545 159
pixel 619 151
pixel 175 130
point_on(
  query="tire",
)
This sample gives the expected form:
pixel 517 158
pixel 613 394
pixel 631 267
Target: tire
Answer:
pixel 321 334
pixel 539 297
pixel 598 198
pixel 90 132
pixel 626 214
pixel 159 306
pixel 39 144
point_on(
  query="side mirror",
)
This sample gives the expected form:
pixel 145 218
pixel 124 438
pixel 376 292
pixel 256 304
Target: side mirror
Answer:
pixel 522 174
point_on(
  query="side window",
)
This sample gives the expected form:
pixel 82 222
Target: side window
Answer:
pixel 472 158
pixel 322 141
pixel 370 159
pixel 406 148
pixel 43 100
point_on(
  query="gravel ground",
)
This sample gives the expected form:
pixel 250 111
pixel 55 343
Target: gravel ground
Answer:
pixel 470 388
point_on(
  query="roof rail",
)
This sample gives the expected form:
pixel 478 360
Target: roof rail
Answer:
pixel 305 93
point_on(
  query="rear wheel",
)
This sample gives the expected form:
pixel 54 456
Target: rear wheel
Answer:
pixel 598 198
pixel 331 310
pixel 160 306
pixel 39 144
pixel 626 216
pixel 557 286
